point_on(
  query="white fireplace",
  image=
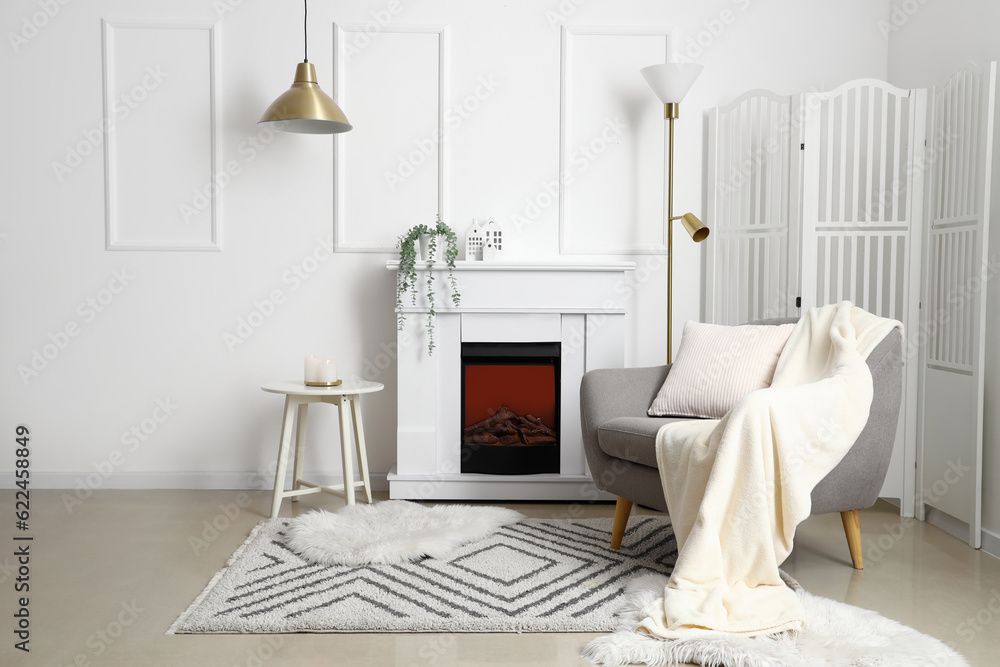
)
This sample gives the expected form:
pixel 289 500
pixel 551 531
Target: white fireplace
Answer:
pixel 579 305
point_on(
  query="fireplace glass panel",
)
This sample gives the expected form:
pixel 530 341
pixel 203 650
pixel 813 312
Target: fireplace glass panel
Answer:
pixel 510 408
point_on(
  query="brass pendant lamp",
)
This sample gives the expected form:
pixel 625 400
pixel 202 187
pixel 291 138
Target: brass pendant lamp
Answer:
pixel 305 108
pixel 671 82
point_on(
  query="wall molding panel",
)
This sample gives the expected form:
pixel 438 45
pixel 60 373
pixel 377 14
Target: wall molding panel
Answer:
pixel 612 192
pixel 161 145
pixel 390 171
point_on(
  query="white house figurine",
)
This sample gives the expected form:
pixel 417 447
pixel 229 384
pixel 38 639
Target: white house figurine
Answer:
pixel 474 242
pixel 492 241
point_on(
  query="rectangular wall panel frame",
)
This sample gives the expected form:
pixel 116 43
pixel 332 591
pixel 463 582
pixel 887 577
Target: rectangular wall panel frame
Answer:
pixel 568 32
pixel 112 242
pixel 341 240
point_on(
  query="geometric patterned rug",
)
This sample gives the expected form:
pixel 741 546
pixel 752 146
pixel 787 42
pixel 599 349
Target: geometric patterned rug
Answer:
pixel 537 575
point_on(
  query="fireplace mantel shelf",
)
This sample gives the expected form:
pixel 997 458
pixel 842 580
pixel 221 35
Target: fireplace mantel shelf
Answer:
pixel 547 265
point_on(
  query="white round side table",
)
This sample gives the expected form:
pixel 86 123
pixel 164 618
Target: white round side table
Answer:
pixel 297 399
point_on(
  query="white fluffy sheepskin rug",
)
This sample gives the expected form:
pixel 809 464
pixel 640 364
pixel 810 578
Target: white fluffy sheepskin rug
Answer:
pixel 835 635
pixel 392 531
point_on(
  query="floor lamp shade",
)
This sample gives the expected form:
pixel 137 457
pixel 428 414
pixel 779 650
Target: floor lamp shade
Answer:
pixel 305 108
pixel 671 81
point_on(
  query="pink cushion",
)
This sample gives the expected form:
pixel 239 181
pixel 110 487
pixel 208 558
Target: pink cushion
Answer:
pixel 716 366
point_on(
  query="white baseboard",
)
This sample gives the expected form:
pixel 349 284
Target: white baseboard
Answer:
pixel 172 480
pixel 947 523
pixel 991 543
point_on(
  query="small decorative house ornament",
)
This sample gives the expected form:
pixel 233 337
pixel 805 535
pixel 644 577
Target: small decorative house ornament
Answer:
pixel 474 242
pixel 492 241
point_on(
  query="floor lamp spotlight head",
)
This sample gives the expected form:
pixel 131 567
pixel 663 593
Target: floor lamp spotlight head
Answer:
pixel 695 227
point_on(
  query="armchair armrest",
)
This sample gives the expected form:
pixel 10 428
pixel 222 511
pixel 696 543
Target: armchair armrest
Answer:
pixel 607 393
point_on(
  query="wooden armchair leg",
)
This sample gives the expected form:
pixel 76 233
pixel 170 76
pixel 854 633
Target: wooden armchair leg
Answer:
pixel 852 527
pixel 622 509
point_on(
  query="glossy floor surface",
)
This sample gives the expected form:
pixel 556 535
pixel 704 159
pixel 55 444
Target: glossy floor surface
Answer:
pixel 110 574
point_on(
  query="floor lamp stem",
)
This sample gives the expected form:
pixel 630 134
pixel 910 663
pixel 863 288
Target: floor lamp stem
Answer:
pixel 670 240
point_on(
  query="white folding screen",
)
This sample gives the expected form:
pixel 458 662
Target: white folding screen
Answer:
pixel 953 314
pixel 753 186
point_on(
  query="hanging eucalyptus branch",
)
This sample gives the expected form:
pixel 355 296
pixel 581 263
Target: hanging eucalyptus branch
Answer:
pixel 450 255
pixel 406 275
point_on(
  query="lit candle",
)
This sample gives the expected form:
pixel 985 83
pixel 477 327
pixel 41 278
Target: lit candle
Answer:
pixel 327 371
pixel 312 368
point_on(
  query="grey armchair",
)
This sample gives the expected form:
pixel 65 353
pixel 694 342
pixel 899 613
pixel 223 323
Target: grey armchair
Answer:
pixel 620 441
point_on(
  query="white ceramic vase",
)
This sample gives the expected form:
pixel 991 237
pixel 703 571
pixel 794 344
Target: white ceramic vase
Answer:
pixel 424 247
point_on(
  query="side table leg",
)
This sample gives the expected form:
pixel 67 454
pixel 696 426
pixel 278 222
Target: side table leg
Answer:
pixel 345 451
pixel 359 436
pixel 286 440
pixel 300 447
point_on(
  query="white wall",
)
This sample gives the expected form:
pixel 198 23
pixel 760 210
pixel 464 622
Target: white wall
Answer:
pixel 926 46
pixel 162 336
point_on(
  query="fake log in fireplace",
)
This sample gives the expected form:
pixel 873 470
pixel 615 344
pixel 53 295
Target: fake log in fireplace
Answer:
pixel 510 408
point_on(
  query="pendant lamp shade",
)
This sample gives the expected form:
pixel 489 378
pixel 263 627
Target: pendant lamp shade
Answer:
pixel 305 108
pixel 671 81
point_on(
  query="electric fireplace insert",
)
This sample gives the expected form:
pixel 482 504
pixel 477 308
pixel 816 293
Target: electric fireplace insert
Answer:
pixel 510 408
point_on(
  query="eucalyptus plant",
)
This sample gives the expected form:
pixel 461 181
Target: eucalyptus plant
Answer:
pixel 406 275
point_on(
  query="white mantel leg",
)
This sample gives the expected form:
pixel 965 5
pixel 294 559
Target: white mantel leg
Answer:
pixel 417 414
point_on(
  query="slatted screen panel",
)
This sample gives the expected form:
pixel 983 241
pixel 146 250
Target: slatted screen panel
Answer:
pixel 862 204
pixel 953 323
pixel 957 207
pixel 748 212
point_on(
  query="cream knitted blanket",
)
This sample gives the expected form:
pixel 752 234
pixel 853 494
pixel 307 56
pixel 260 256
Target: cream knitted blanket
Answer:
pixel 737 487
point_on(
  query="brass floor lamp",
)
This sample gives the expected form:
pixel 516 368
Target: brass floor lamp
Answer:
pixel 671 82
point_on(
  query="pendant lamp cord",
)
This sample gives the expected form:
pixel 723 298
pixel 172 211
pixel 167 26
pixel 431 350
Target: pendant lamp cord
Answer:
pixel 305 31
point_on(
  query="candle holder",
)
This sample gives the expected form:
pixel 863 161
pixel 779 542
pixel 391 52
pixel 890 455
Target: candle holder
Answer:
pixel 335 383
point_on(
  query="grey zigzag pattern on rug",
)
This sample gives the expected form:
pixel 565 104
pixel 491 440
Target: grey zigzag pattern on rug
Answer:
pixel 538 575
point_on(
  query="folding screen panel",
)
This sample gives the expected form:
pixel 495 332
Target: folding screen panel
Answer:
pixel 953 313
pixel 862 201
pixel 753 188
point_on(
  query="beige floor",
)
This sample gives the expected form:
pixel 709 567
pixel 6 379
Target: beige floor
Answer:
pixel 108 579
